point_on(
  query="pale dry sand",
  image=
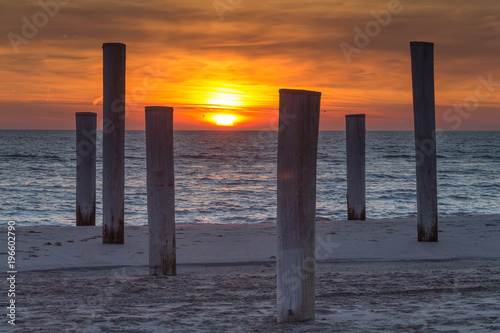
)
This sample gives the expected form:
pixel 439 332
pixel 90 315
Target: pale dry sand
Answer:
pixel 371 276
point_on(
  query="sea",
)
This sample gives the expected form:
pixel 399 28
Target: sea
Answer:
pixel 230 176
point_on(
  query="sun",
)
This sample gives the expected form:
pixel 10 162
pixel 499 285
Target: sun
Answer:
pixel 224 119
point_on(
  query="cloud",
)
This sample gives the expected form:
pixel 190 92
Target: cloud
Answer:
pixel 258 48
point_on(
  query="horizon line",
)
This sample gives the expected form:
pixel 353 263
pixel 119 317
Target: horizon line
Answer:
pixel 231 130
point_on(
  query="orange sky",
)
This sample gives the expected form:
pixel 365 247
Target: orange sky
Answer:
pixel 232 56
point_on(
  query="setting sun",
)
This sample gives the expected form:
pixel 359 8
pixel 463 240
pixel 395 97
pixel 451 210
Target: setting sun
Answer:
pixel 224 119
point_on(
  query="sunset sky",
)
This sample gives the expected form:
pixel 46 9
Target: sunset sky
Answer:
pixel 231 57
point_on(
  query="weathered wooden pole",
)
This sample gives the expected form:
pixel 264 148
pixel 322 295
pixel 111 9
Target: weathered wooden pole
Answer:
pixel 355 155
pixel 113 155
pixel 86 123
pixel 422 69
pixel 161 191
pixel 297 154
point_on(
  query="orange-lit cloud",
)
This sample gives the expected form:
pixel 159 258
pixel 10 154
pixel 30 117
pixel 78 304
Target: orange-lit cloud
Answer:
pixel 97 100
pixel 181 54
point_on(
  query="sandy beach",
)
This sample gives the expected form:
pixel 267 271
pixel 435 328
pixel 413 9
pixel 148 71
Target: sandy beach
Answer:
pixel 371 276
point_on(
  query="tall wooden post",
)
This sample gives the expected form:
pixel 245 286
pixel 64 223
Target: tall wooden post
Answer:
pixel 160 187
pixel 355 155
pixel 422 69
pixel 113 155
pixel 86 123
pixel 297 154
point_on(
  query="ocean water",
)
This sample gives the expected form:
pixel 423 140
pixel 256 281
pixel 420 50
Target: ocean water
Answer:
pixel 230 177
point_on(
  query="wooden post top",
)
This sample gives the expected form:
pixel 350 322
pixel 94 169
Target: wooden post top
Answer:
pixel 113 45
pixel 354 115
pixel 421 44
pixel 299 92
pixel 159 109
pixel 88 114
